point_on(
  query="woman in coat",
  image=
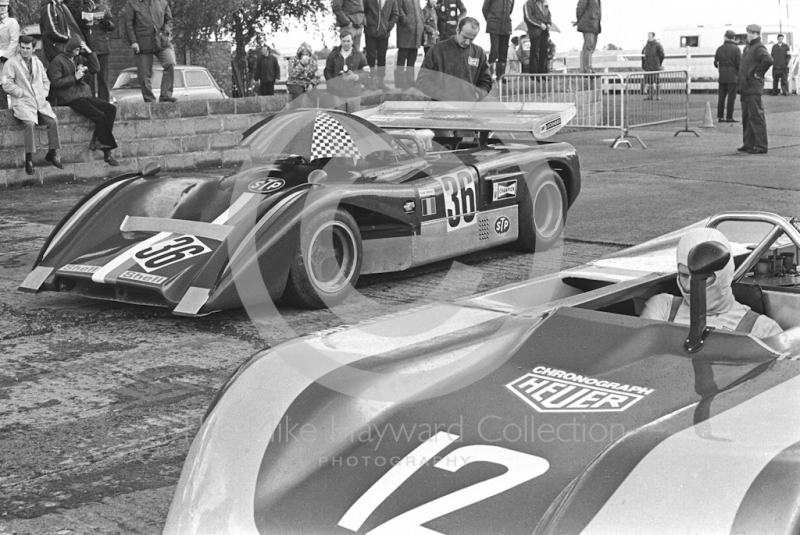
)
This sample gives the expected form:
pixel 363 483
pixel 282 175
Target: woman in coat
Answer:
pixel 27 88
pixel 410 29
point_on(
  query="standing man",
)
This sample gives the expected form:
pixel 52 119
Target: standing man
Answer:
pixel 100 30
pixel 756 61
pixel 456 69
pixel 410 30
pixel 381 16
pixel 727 60
pixel 26 82
pixel 589 13
pixel 148 26
pixel 780 66
pixel 267 71
pixel 450 13
pixel 537 17
pixel 350 17
pixel 67 73
pixel 652 58
pixel 345 70
pixel 9 41
pixel 58 25
pixel 498 25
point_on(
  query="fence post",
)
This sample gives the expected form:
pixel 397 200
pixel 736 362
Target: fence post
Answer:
pixel 686 108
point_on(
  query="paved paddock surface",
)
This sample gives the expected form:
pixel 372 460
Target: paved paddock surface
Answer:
pixel 100 401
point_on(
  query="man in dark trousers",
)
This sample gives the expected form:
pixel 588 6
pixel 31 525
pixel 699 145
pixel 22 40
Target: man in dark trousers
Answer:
pixel 727 60
pixel 96 22
pixel 449 13
pixel 381 16
pixel 537 17
pixel 652 58
pixel 780 66
pixel 589 13
pixel 66 73
pixel 350 17
pixel 498 25
pixel 148 26
pixel 267 71
pixel 756 61
pixel 456 69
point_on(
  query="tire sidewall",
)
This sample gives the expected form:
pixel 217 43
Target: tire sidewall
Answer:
pixel 536 184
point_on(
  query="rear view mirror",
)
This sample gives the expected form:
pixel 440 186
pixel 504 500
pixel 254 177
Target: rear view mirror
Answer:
pixel 704 259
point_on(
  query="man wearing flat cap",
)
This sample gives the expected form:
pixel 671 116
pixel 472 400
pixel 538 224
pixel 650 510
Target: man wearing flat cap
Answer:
pixel 756 61
pixel 727 60
pixel 780 66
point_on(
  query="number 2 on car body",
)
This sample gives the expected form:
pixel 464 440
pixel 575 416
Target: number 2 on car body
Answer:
pixel 522 467
pixel 460 198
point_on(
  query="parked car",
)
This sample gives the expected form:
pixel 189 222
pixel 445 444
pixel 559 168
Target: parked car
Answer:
pixel 545 407
pixel 192 82
pixel 332 196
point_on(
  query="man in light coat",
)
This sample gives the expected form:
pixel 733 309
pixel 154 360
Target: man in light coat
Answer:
pixel 498 25
pixel 381 17
pixel 148 26
pixel 9 40
pixel 756 61
pixel 26 82
pixel 589 13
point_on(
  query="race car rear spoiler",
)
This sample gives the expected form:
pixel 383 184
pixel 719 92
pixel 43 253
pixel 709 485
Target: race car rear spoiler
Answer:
pixel 537 118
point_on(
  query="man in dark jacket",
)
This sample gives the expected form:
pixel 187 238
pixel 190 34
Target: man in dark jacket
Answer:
pixel 589 13
pixel 652 58
pixel 95 21
pixel 66 73
pixel 498 25
pixel 350 16
pixel 756 61
pixel 727 60
pixel 449 13
pixel 456 69
pixel 345 71
pixel 780 66
pixel 148 26
pixel 537 17
pixel 58 25
pixel 410 30
pixel 381 16
pixel 267 71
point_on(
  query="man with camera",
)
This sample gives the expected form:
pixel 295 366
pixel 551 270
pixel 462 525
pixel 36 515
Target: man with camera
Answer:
pixel 148 26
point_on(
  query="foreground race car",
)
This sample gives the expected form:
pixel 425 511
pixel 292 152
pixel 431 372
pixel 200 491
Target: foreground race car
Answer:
pixel 324 198
pixel 546 407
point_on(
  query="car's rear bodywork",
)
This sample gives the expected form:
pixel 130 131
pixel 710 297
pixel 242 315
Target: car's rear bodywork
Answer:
pixel 180 241
pixel 545 407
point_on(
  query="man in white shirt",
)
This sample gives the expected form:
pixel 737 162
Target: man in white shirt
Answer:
pixel 9 38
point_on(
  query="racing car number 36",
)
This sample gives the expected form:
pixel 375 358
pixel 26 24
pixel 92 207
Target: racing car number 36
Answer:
pixel 169 252
pixel 522 467
pixel 460 198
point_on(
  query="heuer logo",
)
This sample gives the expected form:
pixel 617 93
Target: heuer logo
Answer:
pixel 551 390
pixel 266 185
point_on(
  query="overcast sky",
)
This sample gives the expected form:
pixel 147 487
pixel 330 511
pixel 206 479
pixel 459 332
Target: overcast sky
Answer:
pixel 625 22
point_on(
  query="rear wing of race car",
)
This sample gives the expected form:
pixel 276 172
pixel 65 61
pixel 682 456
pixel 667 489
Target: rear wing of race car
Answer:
pixel 537 118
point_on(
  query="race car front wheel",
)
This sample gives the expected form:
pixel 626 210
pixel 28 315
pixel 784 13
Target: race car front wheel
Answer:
pixel 542 211
pixel 328 262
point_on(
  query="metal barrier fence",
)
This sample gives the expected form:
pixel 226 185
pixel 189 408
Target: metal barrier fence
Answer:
pixel 615 101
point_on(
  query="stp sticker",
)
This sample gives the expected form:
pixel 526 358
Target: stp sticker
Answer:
pixel 169 252
pixel 504 190
pixel 266 185
pixel 552 390
pixel 502 225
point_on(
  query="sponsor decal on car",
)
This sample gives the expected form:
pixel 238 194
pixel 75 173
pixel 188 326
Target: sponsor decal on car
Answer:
pixel 427 192
pixel 504 190
pixel 79 268
pixel 553 390
pixel 142 277
pixel 266 185
pixel 460 198
pixel 550 125
pixel 168 252
pixel 428 206
pixel 409 207
pixel 501 225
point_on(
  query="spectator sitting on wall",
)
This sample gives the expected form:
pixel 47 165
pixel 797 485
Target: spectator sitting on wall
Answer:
pixel 302 72
pixel 345 70
pixel 26 82
pixel 67 73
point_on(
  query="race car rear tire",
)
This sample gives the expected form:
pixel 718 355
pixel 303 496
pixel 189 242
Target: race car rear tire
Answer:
pixel 542 211
pixel 327 263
